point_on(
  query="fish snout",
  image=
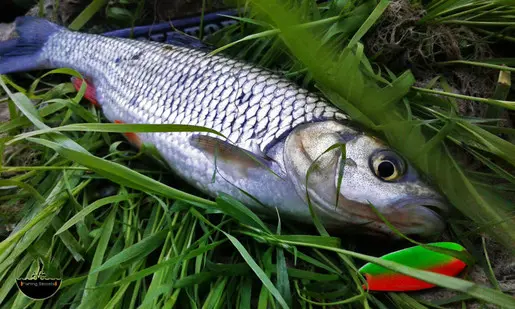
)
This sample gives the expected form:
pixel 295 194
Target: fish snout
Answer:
pixel 421 217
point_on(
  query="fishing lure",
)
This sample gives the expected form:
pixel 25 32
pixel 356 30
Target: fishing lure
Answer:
pixel 382 279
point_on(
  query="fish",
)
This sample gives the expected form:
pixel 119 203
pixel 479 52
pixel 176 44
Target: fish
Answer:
pixel 277 153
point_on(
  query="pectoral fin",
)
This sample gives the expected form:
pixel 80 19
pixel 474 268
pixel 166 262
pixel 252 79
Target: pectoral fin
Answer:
pixel 90 93
pixel 230 159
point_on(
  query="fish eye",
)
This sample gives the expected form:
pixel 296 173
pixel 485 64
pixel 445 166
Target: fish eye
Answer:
pixel 387 165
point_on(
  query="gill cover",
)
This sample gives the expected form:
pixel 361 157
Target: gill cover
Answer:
pixel 309 148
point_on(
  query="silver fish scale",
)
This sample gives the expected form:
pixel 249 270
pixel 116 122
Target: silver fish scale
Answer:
pixel 148 82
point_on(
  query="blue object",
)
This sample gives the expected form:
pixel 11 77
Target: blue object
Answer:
pixel 22 53
pixel 166 32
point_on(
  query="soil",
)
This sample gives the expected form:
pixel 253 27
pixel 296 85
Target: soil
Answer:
pixel 401 43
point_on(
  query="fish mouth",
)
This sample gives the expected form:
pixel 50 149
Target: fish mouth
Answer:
pixel 437 210
pixel 420 216
pixel 437 206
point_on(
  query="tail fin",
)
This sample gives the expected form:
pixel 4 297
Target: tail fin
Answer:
pixel 23 53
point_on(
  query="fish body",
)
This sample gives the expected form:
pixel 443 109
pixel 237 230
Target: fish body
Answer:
pixel 275 129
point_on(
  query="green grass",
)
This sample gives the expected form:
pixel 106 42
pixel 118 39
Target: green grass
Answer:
pixel 123 232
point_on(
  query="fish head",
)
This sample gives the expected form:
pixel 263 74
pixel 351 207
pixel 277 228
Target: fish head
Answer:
pixel 346 171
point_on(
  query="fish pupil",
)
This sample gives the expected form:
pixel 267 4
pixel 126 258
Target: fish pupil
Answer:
pixel 386 169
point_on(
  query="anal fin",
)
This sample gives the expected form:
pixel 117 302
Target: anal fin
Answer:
pixel 133 138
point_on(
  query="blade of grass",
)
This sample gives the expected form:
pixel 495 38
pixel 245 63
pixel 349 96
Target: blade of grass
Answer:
pixel 142 248
pixel 87 14
pixel 88 299
pixel 92 207
pixel 480 64
pixel 119 128
pixel 369 22
pixel 257 270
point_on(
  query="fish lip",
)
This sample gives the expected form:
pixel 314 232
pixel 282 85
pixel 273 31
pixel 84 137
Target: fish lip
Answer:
pixel 431 212
pixel 428 219
pixel 436 205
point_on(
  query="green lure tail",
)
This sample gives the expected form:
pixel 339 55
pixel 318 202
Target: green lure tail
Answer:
pixel 383 279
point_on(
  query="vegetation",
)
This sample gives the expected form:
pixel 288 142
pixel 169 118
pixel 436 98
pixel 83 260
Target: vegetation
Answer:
pixel 124 232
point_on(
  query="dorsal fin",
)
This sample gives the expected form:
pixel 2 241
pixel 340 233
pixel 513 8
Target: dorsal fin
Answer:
pixel 184 40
